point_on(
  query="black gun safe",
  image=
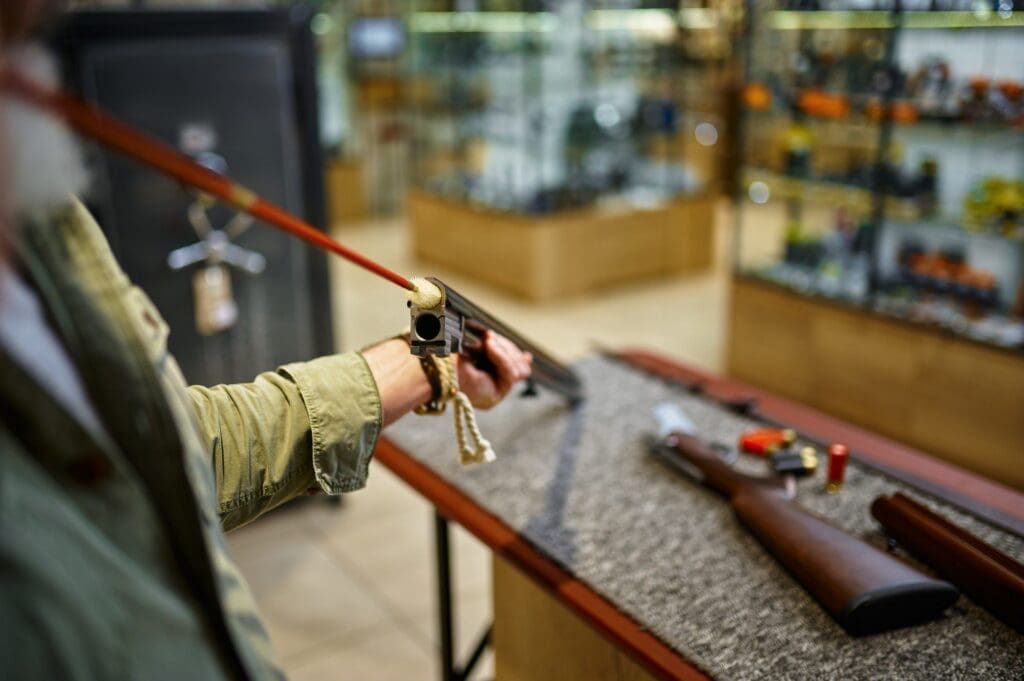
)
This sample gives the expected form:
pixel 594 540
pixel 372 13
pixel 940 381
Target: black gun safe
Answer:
pixel 235 90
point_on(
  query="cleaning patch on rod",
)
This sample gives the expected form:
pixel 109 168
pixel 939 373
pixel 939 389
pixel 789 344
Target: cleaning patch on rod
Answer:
pixel 427 295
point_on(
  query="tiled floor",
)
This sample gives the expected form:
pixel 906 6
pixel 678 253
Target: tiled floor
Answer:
pixel 348 592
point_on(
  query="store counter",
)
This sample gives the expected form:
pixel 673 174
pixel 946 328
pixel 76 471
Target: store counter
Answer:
pixel 611 565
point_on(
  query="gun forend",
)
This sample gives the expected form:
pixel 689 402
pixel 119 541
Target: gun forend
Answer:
pixel 457 325
pixel 865 589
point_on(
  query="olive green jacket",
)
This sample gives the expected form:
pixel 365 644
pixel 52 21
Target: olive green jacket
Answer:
pixel 113 563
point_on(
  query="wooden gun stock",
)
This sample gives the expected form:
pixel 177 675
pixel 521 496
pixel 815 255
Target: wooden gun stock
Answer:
pixel 458 325
pixel 866 590
pixel 989 576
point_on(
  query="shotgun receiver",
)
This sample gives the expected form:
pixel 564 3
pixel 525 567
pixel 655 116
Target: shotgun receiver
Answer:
pixel 457 325
pixel 866 590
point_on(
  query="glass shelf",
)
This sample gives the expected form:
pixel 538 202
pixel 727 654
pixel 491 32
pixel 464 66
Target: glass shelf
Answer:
pixel 651 23
pixel 864 109
pixel 482 22
pixel 884 19
pixel 956 227
pixel 975 130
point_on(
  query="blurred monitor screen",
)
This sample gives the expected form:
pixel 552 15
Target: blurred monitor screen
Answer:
pixel 376 37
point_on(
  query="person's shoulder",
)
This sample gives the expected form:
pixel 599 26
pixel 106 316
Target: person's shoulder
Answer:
pixel 68 218
pixel 85 239
pixel 77 219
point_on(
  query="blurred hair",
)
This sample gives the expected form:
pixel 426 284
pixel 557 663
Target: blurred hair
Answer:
pixel 20 18
pixel 42 156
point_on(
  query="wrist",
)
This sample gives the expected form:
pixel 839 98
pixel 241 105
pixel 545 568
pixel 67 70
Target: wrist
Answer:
pixel 401 383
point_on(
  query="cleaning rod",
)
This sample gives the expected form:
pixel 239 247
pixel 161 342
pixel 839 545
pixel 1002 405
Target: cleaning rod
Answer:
pixel 104 128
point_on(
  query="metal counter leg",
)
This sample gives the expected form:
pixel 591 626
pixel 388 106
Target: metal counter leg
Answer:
pixel 446 624
pixel 444 598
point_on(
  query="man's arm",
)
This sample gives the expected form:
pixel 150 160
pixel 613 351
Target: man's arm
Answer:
pixel 315 424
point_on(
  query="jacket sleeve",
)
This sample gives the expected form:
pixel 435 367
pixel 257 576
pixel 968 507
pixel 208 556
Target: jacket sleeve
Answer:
pixel 308 425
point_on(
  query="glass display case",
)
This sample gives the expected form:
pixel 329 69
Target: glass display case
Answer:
pixel 536 107
pixel 882 157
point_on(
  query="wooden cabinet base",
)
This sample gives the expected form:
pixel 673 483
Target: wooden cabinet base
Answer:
pixel 536 638
pixel 346 191
pixel 545 257
pixel 951 397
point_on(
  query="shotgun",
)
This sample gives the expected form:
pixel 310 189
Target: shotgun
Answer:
pixel 863 588
pixel 986 574
pixel 456 325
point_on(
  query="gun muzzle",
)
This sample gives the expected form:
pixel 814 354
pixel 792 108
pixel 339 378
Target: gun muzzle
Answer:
pixel 456 325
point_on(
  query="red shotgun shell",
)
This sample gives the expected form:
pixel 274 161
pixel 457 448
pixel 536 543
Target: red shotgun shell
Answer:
pixel 764 441
pixel 837 456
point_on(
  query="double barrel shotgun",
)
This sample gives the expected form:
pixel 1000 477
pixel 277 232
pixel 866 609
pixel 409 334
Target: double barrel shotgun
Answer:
pixel 864 589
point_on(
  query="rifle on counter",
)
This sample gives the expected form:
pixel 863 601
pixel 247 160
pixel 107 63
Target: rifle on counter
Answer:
pixel 863 588
pixel 457 325
pixel 986 574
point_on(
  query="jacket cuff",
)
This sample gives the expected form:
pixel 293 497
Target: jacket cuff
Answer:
pixel 345 417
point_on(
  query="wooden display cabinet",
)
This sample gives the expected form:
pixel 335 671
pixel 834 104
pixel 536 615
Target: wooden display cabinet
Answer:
pixel 564 254
pixel 346 191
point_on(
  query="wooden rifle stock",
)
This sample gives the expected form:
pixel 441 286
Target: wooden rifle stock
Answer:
pixel 866 590
pixel 989 576
pixel 458 325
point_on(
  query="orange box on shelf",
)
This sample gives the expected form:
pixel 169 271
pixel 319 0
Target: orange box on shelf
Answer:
pixel 823 104
pixel 757 96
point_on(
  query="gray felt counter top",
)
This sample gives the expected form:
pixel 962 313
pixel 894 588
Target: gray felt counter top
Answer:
pixel 581 486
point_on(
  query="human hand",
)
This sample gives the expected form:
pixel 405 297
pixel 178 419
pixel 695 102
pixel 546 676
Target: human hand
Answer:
pixel 511 365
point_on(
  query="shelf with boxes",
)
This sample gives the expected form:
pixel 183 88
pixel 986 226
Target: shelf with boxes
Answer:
pixel 883 175
pixel 862 135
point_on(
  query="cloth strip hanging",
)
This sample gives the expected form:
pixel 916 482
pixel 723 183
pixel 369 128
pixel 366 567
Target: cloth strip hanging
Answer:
pixel 473 447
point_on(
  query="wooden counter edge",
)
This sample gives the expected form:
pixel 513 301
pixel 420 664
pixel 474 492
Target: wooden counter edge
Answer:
pixel 981 496
pixel 629 636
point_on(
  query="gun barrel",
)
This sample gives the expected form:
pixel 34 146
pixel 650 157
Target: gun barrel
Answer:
pixel 865 589
pixel 986 574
